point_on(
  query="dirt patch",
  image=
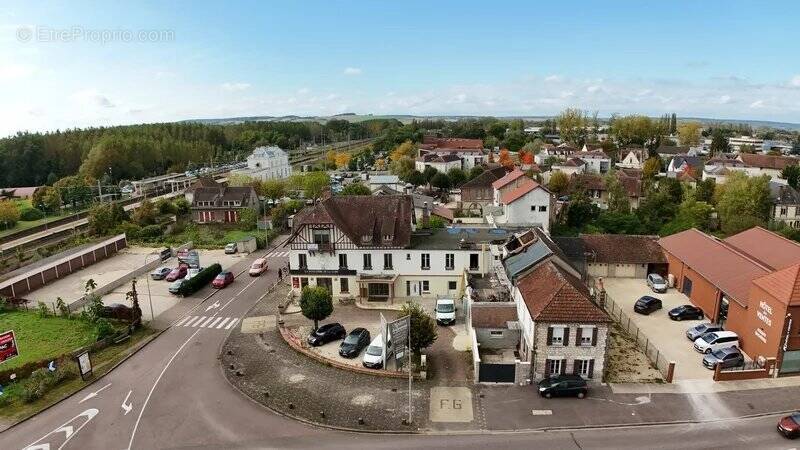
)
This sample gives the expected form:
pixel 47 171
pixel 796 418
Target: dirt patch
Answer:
pixel 626 363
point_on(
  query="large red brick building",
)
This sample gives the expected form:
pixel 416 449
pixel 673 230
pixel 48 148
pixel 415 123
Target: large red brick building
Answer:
pixel 750 282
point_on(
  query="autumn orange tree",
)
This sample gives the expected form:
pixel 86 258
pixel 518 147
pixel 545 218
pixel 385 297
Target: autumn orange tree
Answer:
pixel 505 159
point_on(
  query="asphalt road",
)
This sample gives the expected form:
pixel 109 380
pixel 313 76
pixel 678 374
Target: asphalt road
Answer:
pixel 173 394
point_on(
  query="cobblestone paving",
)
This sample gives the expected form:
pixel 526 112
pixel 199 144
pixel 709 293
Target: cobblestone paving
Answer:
pixel 279 377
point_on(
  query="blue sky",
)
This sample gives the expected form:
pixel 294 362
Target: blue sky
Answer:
pixel 220 59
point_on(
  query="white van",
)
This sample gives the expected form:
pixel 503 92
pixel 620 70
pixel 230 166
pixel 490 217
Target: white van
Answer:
pixel 445 311
pixel 373 356
pixel 717 340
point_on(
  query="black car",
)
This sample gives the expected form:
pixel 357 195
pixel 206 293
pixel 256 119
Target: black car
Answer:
pixel 563 386
pixel 688 312
pixel 326 333
pixel 646 305
pixel 354 343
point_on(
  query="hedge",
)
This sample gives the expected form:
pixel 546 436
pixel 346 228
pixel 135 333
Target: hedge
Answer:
pixel 31 214
pixel 195 283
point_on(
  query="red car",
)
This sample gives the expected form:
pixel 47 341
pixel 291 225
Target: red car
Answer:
pixel 789 426
pixel 177 273
pixel 223 279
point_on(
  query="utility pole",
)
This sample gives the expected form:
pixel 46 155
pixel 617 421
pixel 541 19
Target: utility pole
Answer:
pixel 408 345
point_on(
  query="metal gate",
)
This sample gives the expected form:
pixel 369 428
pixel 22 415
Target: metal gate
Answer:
pixel 496 373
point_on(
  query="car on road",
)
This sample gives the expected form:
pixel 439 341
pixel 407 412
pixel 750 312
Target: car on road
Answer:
pixel 373 357
pixel 725 358
pixel 160 273
pixel 222 279
pixel 657 283
pixel 177 273
pixel 192 272
pixel 352 345
pixel 175 286
pixel 258 267
pixel 563 386
pixel 686 312
pixel 646 305
pixel 445 311
pixel 698 330
pixel 327 333
pixel 715 341
pixel 231 249
pixel 789 426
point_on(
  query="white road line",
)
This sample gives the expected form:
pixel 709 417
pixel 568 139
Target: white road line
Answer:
pixel 180 322
pixel 244 289
pixel 211 325
pixel 147 400
pixel 230 325
pixel 206 322
pixel 221 324
pixel 194 320
pixel 542 412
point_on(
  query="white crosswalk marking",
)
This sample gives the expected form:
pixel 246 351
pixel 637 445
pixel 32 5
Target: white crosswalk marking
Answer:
pixel 278 254
pixel 207 322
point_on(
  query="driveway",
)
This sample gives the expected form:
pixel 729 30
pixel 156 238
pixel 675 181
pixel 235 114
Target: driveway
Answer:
pixel 665 334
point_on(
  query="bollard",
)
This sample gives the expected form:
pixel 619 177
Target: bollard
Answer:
pixel 322 414
pixel 361 421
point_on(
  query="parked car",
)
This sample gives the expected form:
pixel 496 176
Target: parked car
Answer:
pixel 231 248
pixel 698 330
pixel 176 285
pixel 354 342
pixel 657 283
pixel 789 426
pixel 326 333
pixel 647 305
pixel 445 311
pixel 177 273
pixel 715 341
pixel 222 279
pixel 258 267
pixel 563 386
pixel 160 273
pixel 688 312
pixel 192 272
pixel 373 357
pixel 117 311
pixel 725 358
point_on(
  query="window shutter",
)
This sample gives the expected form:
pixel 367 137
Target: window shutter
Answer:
pixel 594 336
pixel 566 336
pixel 563 366
pixel 547 365
pixel 578 337
pixel 591 368
pixel 576 366
pixel 549 335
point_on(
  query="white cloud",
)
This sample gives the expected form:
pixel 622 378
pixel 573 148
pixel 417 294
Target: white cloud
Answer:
pixel 757 104
pixel 90 97
pixel 552 78
pixel 352 71
pixel 13 71
pixel 593 88
pixel 795 81
pixel 724 99
pixel 303 91
pixel 234 87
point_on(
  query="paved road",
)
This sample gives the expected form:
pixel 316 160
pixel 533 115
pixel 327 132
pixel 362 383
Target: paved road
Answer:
pixel 173 394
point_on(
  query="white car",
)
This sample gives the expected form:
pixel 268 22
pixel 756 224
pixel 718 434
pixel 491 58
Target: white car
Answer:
pixel 373 356
pixel 717 340
pixel 192 272
pixel 445 311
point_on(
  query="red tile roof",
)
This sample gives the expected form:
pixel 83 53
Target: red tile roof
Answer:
pixel 622 249
pixel 553 295
pixel 724 266
pixel 441 211
pixel 525 185
pixel 768 161
pixel 769 248
pixel 493 316
pixel 508 178
pixel 455 143
pixel 784 285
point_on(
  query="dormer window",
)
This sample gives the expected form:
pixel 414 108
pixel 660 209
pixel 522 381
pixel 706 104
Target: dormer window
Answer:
pixel 388 238
pixel 367 238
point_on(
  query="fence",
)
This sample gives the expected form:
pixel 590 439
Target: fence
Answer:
pixel 642 341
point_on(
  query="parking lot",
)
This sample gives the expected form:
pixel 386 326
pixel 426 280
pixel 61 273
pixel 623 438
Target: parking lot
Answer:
pixel 665 334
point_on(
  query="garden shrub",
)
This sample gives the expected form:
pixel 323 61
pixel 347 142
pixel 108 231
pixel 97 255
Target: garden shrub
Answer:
pixel 31 214
pixel 104 329
pixel 151 231
pixel 201 279
pixel 42 381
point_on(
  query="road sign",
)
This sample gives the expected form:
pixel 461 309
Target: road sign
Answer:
pixel 398 330
pixel 8 346
pixel 85 365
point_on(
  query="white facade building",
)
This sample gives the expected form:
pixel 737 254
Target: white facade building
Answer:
pixel 267 163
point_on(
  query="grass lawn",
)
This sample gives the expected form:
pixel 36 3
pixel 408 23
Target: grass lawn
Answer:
pixel 24 225
pixel 39 338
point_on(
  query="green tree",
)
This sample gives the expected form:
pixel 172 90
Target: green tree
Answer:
pixel 691 214
pixel 651 168
pixel 423 327
pixel 475 171
pixel 165 206
pixel 704 190
pixel 689 133
pixel 617 197
pixel 441 181
pixel 572 126
pixel 75 190
pixel 457 176
pixel 719 143
pixel 655 209
pixel 248 218
pixel 402 167
pixel 313 183
pixel 791 174
pixel 429 173
pixel 416 178
pixel 533 147
pixel 47 199
pixel 559 183
pixel 145 213
pixel 514 140
pixel 316 304
pixel 743 202
pixel 356 189
pixel 405 150
pixel 636 130
pixel 274 189
pixel 182 206
pixel 9 214
pixel 102 219
pixel 581 211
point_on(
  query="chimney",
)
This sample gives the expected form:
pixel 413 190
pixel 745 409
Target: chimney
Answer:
pixel 426 216
pixel 600 294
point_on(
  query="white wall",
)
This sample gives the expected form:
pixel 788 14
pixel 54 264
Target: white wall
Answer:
pixel 519 211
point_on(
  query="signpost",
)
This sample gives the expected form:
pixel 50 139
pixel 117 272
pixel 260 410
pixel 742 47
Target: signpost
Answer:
pixel 8 346
pixel 85 365
pixel 400 330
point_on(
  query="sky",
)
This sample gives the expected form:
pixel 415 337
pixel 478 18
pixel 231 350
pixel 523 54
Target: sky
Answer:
pixel 84 63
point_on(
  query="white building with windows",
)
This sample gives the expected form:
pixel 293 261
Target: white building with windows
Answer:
pixel 520 201
pixel 267 163
pixel 381 256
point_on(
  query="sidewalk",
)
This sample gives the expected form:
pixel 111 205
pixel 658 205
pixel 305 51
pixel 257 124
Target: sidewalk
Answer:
pixel 703 386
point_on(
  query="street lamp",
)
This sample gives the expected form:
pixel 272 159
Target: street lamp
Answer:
pixel 147 280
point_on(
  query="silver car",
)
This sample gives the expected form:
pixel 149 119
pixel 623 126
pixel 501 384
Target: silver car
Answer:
pixel 724 357
pixel 699 330
pixel 657 283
